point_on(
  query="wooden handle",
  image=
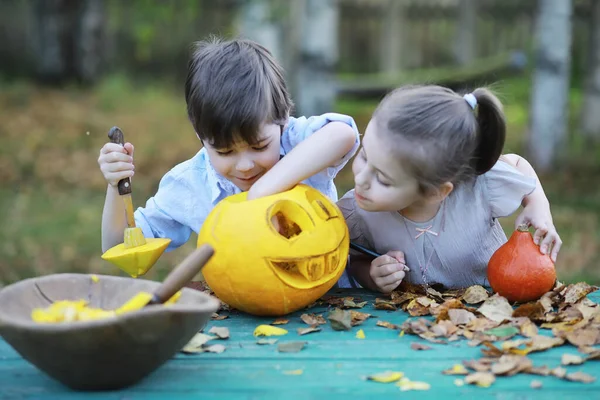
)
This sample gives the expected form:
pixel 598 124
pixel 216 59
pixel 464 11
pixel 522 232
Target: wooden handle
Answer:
pixel 182 274
pixel 116 136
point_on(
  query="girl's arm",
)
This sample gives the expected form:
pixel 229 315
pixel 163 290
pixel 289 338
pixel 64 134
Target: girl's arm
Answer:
pixel 113 219
pixel 536 210
pixel 323 149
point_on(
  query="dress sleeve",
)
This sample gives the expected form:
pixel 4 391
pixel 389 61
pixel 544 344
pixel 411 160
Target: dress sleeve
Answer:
pixel 506 188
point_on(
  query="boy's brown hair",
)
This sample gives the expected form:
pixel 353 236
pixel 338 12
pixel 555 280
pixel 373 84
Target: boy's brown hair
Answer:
pixel 232 88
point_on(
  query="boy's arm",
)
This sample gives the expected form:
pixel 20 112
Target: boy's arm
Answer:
pixel 325 148
pixel 113 219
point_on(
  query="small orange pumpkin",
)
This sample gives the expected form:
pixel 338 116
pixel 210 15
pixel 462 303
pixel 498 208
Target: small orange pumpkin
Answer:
pixel 518 271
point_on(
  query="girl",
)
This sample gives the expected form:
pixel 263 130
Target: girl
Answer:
pixel 238 105
pixel 430 186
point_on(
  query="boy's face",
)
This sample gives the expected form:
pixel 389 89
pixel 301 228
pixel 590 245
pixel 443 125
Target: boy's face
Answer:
pixel 243 164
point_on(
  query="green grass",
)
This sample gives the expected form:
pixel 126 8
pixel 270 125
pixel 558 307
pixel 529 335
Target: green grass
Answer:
pixel 52 191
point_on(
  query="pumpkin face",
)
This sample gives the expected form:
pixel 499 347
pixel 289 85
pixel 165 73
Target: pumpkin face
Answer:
pixel 261 271
pixel 518 271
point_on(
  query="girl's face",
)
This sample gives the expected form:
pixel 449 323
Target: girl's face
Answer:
pixel 243 164
pixel 381 183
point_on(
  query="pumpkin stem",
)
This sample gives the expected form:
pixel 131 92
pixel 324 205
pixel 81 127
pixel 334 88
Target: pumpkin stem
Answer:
pixel 523 228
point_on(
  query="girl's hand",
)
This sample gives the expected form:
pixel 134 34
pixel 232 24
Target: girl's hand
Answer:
pixel 545 233
pixel 116 162
pixel 388 271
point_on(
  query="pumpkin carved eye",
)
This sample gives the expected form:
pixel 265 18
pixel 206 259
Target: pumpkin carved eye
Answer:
pixel 289 219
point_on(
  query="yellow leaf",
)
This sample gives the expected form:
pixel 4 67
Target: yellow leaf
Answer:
pixel 95 278
pixel 457 369
pixel 406 384
pixel 401 333
pixel 294 372
pixel 386 377
pixel 268 330
pixel 360 334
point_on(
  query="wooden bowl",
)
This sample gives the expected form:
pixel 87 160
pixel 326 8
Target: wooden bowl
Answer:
pixel 103 354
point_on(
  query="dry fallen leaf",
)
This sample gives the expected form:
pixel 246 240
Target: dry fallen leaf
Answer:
pixel 381 304
pixel 417 309
pixel 502 332
pixel 310 329
pixel 584 337
pixel 220 331
pixel 460 317
pixel 357 317
pixel 387 325
pixel 268 330
pixel 577 291
pixel 215 348
pixel 340 320
pixel 558 372
pixel 478 365
pixel 313 319
pixel 280 321
pixel 571 359
pixel 511 364
pixel 535 384
pixel 290 347
pixel 406 384
pixel 534 311
pixel 580 377
pixel 349 303
pixel 386 377
pixel 481 379
pixel 456 369
pixel 217 317
pixel 293 372
pixel 475 295
pixel 541 343
pixel 196 343
pixel 543 370
pixel 266 341
pixel 419 346
pixel 496 308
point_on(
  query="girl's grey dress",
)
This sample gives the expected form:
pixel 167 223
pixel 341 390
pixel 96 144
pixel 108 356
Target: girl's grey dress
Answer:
pixel 454 247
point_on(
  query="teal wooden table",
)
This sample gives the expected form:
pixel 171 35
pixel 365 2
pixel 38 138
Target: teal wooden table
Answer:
pixel 333 364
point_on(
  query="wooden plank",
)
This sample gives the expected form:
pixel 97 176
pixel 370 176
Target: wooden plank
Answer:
pixel 333 363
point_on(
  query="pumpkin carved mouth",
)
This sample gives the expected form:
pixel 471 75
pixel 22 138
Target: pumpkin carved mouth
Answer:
pixel 306 272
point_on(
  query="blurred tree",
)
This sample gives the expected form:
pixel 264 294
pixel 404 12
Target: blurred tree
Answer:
pixel 69 39
pixel 391 36
pixel 258 22
pixel 464 46
pixel 549 102
pixel 317 57
pixel 591 103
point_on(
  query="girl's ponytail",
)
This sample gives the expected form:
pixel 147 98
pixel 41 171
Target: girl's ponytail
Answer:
pixel 492 130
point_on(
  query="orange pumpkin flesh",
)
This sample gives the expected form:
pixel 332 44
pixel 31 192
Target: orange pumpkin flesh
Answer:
pixel 518 271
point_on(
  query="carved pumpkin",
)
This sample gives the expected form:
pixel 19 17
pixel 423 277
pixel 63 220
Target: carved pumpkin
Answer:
pixel 261 271
pixel 518 271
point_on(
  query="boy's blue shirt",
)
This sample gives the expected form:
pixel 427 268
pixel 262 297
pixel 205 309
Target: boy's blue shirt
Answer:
pixel 188 192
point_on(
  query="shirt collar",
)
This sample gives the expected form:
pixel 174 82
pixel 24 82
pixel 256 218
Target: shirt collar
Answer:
pixel 220 187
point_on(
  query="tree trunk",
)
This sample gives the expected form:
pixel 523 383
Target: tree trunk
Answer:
pixel 257 23
pixel 316 85
pixel 69 39
pixel 550 91
pixel 391 37
pixel 464 47
pixel 591 104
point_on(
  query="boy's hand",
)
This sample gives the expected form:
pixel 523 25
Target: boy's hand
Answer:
pixel 388 271
pixel 116 162
pixel 545 233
